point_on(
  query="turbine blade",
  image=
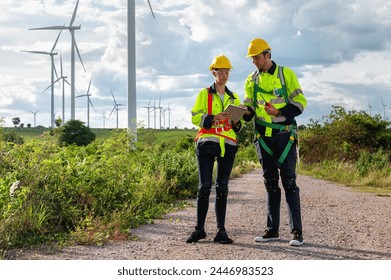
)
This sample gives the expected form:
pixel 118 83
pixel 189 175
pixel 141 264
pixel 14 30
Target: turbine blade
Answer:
pixel 46 89
pixel 59 27
pixel 57 80
pixel 92 105
pixel 112 111
pixel 38 52
pixel 55 43
pixel 89 85
pixel 55 72
pixel 78 53
pixel 149 3
pixel 61 64
pixel 74 13
pixel 115 102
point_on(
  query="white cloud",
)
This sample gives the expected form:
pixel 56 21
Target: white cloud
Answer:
pixel 340 51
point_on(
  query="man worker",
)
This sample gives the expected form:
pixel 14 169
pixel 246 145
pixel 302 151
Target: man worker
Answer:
pixel 274 98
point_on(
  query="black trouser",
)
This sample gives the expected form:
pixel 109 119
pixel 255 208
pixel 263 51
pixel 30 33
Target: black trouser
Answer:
pixel 207 152
pixel 271 173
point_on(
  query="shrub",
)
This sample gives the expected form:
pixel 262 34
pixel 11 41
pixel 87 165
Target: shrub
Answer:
pixel 370 162
pixel 75 132
pixel 10 136
pixel 103 188
pixel 343 136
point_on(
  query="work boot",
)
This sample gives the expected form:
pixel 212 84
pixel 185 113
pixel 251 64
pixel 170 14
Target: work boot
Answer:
pixel 222 237
pixel 196 235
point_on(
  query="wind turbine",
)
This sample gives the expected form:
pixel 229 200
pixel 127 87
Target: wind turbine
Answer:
pixel 149 110
pixel 74 48
pixel 35 117
pixel 384 107
pixel 132 105
pixel 169 115
pixel 88 102
pixel 160 112
pixel 116 106
pixel 104 119
pixel 154 114
pixel 370 109
pixel 53 70
pixel 64 80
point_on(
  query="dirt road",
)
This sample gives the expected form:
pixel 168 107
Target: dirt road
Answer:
pixel 338 223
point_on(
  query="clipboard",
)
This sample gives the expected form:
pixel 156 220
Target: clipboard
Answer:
pixel 236 112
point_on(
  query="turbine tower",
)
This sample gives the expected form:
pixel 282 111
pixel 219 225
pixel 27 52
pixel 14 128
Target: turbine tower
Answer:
pixel 74 49
pixel 160 112
pixel 169 115
pixel 53 70
pixel 154 114
pixel 88 102
pixel 132 100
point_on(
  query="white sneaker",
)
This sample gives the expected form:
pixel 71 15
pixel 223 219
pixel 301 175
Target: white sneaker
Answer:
pixel 268 236
pixel 297 239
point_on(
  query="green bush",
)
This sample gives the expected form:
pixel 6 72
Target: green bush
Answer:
pixel 371 162
pixel 10 136
pixel 102 188
pixel 343 136
pixel 75 132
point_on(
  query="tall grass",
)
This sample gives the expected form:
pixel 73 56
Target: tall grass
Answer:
pixel 95 193
pixel 352 148
pixel 106 184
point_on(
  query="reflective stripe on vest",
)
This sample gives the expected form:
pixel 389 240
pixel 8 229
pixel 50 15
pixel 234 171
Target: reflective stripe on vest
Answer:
pixel 269 126
pixel 216 130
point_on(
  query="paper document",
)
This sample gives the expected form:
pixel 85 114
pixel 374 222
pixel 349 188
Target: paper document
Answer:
pixel 236 112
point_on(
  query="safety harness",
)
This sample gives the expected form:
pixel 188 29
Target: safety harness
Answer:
pixel 290 128
pixel 220 126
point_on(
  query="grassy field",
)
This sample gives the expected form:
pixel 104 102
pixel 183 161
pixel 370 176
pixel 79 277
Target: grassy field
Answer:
pixel 143 135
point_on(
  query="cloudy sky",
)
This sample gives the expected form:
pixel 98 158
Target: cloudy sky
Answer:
pixel 340 50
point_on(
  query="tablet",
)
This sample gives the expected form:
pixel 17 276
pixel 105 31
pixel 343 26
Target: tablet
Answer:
pixel 236 112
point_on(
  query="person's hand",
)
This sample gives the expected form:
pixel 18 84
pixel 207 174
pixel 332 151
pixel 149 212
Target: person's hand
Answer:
pixel 248 112
pixel 222 116
pixel 270 109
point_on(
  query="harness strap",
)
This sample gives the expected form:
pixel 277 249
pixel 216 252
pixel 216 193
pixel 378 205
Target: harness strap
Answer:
pixel 280 127
pixel 221 127
pixel 290 128
pixel 286 150
pixel 217 130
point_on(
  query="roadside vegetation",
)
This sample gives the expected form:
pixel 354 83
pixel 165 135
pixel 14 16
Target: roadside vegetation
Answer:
pixel 95 188
pixel 72 191
pixel 352 148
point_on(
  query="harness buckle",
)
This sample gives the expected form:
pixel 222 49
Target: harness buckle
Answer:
pixel 219 129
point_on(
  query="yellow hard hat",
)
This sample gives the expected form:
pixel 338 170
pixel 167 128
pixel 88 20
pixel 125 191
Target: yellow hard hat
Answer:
pixel 257 46
pixel 220 61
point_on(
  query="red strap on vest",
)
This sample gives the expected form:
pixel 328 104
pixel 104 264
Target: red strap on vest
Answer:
pixel 210 100
pixel 217 130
